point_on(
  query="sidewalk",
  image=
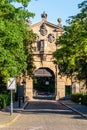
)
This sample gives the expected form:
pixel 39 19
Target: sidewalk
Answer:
pixel 80 109
pixel 6 118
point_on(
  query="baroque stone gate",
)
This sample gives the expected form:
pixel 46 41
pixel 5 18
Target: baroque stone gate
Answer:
pixel 47 33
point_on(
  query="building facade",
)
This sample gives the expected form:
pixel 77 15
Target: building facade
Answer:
pixel 44 46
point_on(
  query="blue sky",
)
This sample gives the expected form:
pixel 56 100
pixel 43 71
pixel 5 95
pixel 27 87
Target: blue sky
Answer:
pixel 54 8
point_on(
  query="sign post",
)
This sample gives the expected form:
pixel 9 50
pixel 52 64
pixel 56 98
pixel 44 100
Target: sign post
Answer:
pixel 11 112
pixel 11 85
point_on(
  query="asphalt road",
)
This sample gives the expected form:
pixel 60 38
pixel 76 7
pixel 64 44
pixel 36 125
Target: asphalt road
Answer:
pixel 48 115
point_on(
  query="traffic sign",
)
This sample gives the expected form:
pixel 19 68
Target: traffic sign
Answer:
pixel 11 84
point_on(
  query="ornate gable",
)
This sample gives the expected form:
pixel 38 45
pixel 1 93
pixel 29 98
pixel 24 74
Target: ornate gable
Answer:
pixel 47 33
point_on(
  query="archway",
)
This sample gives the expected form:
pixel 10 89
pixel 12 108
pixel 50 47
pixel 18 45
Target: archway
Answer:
pixel 44 83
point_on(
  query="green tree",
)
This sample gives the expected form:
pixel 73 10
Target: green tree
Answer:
pixel 72 56
pixel 13 37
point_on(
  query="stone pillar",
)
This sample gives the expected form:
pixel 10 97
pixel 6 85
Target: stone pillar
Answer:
pixel 60 90
pixel 59 85
pixel 29 88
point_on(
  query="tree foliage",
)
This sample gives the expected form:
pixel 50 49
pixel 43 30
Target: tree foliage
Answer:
pixel 72 56
pixel 13 34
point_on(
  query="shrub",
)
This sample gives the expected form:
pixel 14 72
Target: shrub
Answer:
pixel 77 97
pixel 4 100
pixel 84 100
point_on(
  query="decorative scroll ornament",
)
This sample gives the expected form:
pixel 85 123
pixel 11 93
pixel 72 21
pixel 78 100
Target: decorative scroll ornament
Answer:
pixel 51 38
pixel 37 38
pixel 43 30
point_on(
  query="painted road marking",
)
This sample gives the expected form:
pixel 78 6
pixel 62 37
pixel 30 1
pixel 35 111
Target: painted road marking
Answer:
pixel 10 122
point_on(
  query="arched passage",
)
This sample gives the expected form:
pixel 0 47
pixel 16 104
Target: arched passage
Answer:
pixel 44 82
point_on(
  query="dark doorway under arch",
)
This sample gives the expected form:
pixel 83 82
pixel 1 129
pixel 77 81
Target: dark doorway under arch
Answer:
pixel 44 83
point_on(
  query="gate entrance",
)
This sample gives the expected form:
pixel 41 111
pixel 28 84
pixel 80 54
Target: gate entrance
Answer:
pixel 47 80
pixel 44 83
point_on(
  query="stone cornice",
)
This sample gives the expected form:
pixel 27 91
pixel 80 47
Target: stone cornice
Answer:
pixel 59 28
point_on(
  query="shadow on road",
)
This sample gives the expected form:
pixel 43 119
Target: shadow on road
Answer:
pixel 47 107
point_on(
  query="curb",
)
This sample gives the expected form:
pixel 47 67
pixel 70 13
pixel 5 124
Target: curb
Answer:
pixel 20 109
pixel 25 105
pixel 80 113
